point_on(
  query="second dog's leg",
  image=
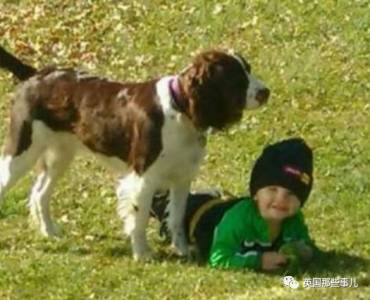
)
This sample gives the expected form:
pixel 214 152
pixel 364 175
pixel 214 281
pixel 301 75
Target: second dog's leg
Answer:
pixel 54 163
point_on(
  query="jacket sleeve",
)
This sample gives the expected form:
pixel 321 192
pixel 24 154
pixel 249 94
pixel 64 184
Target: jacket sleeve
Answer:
pixel 227 240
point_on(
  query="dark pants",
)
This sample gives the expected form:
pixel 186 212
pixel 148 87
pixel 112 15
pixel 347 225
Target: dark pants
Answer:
pixel 204 211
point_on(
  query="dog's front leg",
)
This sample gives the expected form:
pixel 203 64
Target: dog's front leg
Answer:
pixel 135 197
pixel 178 197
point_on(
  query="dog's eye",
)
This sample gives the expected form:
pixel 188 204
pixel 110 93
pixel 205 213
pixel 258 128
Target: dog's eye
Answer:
pixel 238 83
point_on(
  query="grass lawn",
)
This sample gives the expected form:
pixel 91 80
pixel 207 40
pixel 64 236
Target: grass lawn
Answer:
pixel 315 57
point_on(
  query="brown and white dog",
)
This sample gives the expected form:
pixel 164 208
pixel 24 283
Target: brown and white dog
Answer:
pixel 152 133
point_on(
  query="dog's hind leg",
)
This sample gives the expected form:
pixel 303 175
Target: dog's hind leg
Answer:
pixel 53 164
pixel 15 164
pixel 13 168
pixel 23 146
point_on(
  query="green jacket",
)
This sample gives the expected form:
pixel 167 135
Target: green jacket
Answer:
pixel 242 236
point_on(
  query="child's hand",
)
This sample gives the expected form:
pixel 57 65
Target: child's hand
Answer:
pixel 273 260
pixel 297 248
pixel 297 253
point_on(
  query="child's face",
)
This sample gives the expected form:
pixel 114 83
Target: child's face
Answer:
pixel 276 203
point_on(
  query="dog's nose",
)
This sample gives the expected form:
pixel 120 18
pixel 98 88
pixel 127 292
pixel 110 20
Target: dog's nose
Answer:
pixel 263 95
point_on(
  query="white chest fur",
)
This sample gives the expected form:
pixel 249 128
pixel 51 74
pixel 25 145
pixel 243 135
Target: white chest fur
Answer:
pixel 183 145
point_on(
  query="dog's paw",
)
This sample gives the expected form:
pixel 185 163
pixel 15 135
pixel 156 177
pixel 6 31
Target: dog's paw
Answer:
pixel 143 256
pixel 182 252
pixel 140 249
pixel 180 246
pixel 51 230
pixel 46 229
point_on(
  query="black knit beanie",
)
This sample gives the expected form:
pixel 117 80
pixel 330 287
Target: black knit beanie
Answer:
pixel 289 164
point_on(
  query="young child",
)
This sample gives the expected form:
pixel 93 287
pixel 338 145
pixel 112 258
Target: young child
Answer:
pixel 263 232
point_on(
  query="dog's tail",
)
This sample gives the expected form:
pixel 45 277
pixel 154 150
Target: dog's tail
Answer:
pixel 15 66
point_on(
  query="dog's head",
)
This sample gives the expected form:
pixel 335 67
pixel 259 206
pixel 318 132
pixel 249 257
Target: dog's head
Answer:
pixel 219 87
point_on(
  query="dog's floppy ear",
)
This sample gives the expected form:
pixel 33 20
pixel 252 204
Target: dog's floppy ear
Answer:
pixel 209 84
pixel 204 70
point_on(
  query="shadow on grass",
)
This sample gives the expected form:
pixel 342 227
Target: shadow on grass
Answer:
pixel 325 264
pixel 335 262
pixel 331 264
pixel 117 252
pixel 158 256
pixel 98 244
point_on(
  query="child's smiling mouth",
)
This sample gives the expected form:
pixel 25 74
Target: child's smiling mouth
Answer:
pixel 280 208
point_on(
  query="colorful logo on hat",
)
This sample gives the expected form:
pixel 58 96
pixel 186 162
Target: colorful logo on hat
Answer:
pixel 302 176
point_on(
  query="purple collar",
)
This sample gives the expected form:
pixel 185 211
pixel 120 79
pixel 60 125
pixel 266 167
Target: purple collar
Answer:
pixel 178 101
